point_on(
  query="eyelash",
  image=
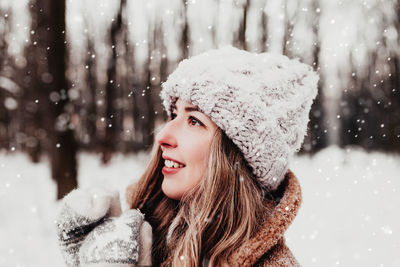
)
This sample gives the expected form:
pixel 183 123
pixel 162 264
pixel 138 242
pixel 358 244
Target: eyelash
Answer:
pixel 173 115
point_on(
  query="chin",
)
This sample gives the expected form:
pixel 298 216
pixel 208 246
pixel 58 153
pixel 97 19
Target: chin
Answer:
pixel 170 190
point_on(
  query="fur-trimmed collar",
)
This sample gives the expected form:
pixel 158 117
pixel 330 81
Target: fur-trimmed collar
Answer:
pixel 282 211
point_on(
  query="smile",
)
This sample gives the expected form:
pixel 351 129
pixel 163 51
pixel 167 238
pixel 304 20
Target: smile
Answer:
pixel 167 170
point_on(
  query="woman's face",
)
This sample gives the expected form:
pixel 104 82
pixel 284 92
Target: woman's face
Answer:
pixel 186 139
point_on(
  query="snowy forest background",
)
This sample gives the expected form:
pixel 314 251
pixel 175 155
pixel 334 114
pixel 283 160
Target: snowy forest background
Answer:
pixel 79 105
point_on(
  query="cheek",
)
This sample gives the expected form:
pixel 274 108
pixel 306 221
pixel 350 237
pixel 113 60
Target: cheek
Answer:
pixel 199 161
pixel 198 154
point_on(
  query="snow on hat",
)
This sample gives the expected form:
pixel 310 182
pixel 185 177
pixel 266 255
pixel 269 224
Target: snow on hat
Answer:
pixel 261 102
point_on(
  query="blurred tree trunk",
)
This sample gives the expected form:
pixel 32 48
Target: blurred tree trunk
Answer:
pixel 4 116
pixel 316 137
pixel 148 116
pixel 113 115
pixel 10 89
pixel 163 74
pixel 143 111
pixel 392 87
pixel 289 22
pixel 240 41
pixel 90 137
pixel 48 23
pixel 32 123
pixel 145 98
pixel 185 33
pixel 264 27
pixel 31 117
pixel 349 133
pixel 129 62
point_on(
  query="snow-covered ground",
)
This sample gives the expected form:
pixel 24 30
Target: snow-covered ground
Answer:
pixel 349 215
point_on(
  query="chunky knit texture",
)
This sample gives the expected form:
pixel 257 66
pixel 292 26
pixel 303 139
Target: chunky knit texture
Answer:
pixel 81 211
pixel 261 102
pixel 114 243
pixel 93 231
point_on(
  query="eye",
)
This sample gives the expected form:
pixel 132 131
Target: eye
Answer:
pixel 192 120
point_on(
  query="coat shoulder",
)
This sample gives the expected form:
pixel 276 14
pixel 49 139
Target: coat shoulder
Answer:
pixel 278 256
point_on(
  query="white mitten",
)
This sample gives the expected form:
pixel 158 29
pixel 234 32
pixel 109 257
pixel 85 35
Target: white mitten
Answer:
pixel 81 211
pixel 118 241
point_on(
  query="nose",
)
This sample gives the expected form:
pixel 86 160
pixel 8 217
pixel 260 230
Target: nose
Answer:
pixel 166 137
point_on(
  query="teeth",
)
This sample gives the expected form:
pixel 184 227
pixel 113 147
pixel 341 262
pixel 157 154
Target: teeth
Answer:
pixel 172 164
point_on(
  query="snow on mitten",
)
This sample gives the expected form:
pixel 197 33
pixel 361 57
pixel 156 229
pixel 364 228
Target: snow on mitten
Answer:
pixel 81 211
pixel 119 241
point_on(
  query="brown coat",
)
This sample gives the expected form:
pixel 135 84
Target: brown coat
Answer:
pixel 268 247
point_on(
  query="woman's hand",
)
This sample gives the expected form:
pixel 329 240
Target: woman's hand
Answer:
pixel 81 211
pixel 118 241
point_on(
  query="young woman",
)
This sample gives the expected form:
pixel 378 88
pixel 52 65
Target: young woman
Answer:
pixel 217 190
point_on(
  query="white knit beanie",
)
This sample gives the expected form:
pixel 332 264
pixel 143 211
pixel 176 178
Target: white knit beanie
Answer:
pixel 261 102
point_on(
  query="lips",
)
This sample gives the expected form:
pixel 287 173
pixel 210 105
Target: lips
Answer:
pixel 166 170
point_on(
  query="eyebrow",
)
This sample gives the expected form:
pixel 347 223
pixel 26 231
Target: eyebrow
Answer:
pixel 191 109
pixel 188 109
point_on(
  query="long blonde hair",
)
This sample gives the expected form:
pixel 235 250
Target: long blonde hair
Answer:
pixel 212 220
